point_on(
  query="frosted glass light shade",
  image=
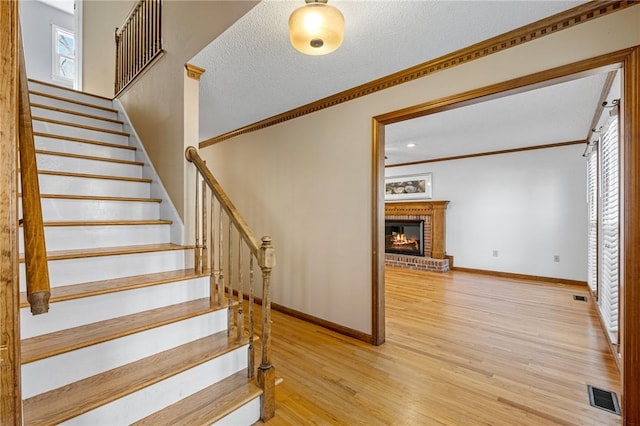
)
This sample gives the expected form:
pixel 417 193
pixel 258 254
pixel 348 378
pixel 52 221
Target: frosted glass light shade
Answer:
pixel 316 28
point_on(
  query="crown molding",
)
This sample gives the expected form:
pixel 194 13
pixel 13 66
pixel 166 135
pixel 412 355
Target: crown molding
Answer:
pixel 486 153
pixel 553 24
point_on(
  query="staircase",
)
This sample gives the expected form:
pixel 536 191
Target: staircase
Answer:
pixel 132 335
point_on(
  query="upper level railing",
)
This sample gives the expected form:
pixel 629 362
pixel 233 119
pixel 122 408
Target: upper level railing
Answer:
pixel 226 247
pixel 138 42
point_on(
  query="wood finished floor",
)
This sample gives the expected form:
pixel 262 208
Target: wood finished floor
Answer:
pixel 461 349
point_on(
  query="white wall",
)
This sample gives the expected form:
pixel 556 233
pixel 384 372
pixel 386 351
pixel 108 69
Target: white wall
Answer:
pixel 295 180
pixel 529 206
pixel 36 19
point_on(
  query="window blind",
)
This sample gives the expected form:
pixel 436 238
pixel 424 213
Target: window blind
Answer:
pixel 609 228
pixel 592 221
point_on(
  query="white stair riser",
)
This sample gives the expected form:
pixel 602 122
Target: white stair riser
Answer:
pixel 61 209
pixel 248 414
pixel 56 103
pixel 71 185
pixel 70 94
pixel 73 147
pixel 78 132
pixel 89 237
pixel 76 312
pixel 76 271
pixel 56 163
pixel 54 372
pixel 74 118
pixel 153 398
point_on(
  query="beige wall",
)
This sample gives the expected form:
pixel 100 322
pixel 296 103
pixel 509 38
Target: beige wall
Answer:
pixel 307 182
pixel 100 18
pixel 155 102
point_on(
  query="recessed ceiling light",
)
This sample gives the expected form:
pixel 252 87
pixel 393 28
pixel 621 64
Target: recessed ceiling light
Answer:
pixel 411 145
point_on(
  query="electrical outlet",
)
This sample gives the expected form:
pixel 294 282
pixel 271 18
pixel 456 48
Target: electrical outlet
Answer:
pixel 495 253
pixel 556 258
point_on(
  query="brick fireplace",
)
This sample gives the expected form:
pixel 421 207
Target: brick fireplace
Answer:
pixel 433 215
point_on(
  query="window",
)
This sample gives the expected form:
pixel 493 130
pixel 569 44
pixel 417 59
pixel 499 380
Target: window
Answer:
pixel 64 58
pixel 609 227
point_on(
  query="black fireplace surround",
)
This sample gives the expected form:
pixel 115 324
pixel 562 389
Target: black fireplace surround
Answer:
pixel 404 237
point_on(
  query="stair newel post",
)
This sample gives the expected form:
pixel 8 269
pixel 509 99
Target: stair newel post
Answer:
pixel 230 284
pixel 220 263
pixel 196 249
pixel 266 371
pixel 240 319
pixel 251 354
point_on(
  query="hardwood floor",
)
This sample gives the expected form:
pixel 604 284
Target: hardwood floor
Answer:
pixel 461 349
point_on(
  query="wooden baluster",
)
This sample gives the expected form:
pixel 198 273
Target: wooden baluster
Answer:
pixel 220 260
pixel 159 27
pixel 116 82
pixel 204 255
pixel 251 350
pixel 240 320
pixel 230 286
pixel 212 257
pixel 266 371
pixel 197 267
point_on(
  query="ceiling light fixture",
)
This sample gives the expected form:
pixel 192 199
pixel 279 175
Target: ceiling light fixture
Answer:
pixel 411 145
pixel 316 28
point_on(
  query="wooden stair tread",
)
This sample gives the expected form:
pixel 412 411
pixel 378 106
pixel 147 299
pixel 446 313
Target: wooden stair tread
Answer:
pixel 109 251
pixel 57 86
pixel 80 126
pixel 71 400
pixel 98 198
pixel 94 288
pixel 72 112
pixel 81 140
pixel 91 176
pixel 73 101
pixel 208 405
pixel 52 344
pixel 89 157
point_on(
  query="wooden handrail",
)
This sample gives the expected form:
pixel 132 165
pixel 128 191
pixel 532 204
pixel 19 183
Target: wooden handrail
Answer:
pixel 10 398
pixel 247 234
pixel 35 250
pixel 262 250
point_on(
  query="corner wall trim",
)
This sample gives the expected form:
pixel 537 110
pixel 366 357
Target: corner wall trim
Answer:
pixel 533 31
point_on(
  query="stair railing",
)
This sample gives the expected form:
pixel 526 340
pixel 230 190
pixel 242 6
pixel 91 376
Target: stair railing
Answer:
pixel 138 42
pixel 222 241
pixel 35 250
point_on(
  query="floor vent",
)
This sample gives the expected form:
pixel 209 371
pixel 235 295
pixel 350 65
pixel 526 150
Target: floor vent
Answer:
pixel 580 298
pixel 605 400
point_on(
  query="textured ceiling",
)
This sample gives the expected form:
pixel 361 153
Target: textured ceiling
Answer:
pixel 253 72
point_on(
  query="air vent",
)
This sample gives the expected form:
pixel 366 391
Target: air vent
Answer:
pixel 580 298
pixel 603 399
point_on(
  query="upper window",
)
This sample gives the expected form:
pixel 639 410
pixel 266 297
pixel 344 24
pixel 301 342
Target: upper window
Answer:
pixel 64 57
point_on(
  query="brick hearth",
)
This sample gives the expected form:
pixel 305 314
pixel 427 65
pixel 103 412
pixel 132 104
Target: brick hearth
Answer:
pixel 433 214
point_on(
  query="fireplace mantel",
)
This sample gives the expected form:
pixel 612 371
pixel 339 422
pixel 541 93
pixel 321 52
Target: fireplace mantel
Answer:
pixel 435 209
